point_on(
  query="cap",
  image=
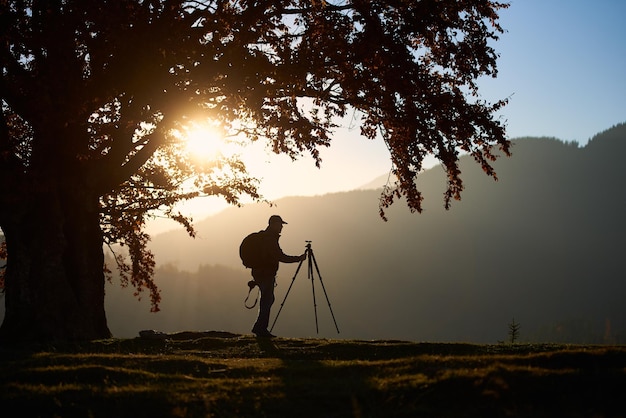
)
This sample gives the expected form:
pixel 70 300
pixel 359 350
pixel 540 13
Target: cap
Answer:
pixel 276 219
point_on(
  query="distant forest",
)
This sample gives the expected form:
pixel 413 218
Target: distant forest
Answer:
pixel 543 245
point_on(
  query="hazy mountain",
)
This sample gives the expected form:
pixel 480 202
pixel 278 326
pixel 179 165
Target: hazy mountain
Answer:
pixel 544 246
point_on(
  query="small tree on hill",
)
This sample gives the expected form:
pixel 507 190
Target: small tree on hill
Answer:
pixel 94 96
pixel 514 328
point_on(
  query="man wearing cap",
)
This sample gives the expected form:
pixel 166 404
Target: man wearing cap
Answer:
pixel 265 273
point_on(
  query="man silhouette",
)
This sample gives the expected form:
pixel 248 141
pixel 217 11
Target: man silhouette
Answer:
pixel 264 273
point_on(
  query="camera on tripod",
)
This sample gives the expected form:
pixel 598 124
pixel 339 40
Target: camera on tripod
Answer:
pixel 310 257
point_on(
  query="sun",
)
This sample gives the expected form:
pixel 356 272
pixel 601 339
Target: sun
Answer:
pixel 204 142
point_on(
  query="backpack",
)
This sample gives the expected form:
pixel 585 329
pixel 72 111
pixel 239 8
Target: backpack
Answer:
pixel 251 249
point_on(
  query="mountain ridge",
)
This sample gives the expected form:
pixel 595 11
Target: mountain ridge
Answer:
pixel 542 245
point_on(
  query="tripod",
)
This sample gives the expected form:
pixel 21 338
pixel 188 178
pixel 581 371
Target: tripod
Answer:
pixel 310 257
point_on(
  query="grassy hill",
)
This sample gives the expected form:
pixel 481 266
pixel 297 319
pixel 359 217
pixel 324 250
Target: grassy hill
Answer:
pixel 217 374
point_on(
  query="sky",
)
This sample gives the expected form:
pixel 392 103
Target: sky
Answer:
pixel 562 65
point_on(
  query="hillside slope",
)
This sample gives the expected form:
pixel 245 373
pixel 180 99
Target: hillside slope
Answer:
pixel 543 245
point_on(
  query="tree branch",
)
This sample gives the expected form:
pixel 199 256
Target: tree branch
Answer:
pixel 118 174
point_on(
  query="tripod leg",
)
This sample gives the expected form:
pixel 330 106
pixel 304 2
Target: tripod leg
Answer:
pixel 312 256
pixel 286 294
pixel 313 289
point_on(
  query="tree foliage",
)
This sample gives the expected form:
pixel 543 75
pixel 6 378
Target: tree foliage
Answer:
pixel 95 91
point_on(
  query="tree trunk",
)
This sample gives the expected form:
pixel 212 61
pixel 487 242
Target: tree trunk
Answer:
pixel 54 287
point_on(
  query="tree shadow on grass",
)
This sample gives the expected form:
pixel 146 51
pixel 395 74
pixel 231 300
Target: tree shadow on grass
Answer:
pixel 312 385
pixel 398 379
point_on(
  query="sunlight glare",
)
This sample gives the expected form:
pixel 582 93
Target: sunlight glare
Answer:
pixel 204 142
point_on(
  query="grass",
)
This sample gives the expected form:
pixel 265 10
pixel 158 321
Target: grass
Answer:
pixel 224 375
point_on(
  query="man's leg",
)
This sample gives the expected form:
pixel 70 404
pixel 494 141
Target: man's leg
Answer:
pixel 265 304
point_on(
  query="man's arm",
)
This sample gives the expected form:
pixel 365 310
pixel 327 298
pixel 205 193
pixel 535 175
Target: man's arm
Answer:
pixel 284 258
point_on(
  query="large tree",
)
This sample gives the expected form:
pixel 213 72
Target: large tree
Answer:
pixel 95 95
